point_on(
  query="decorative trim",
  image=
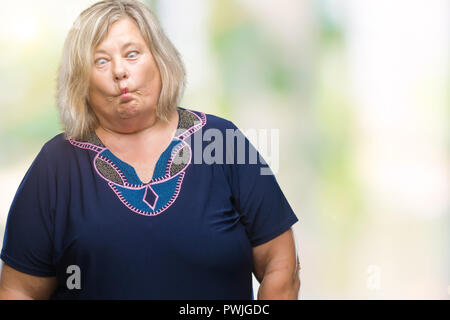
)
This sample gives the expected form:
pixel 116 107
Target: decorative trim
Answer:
pixel 113 165
pixel 150 213
pixel 179 175
pixel 86 145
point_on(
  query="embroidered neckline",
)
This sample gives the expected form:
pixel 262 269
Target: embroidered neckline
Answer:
pixel 161 191
pixel 188 123
pixel 95 138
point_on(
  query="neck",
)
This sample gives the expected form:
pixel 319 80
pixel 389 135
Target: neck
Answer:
pixel 111 135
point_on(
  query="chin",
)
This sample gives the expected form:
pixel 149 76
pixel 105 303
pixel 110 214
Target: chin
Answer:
pixel 128 111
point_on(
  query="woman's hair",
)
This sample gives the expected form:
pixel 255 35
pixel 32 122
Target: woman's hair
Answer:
pixel 87 32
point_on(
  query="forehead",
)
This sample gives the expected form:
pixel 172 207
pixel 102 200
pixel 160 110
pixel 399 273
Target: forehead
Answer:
pixel 121 32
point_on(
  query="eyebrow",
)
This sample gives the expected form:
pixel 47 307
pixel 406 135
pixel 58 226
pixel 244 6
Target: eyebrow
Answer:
pixel 130 43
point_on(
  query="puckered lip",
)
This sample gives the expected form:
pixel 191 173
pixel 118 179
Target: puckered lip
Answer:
pixel 126 97
pixel 125 94
pixel 123 90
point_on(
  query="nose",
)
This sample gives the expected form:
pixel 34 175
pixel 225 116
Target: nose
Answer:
pixel 119 72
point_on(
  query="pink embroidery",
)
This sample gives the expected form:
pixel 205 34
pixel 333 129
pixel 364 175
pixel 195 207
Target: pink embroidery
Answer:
pixel 194 128
pixel 174 153
pixel 145 195
pixel 148 186
pixel 113 165
pixel 147 213
pixel 86 145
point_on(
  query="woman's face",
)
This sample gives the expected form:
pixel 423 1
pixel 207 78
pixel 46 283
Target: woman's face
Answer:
pixel 123 62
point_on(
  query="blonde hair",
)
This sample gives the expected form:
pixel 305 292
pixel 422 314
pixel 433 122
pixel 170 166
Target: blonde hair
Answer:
pixel 88 30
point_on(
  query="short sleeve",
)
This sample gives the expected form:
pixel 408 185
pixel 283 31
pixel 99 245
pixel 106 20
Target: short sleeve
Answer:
pixel 257 196
pixel 27 242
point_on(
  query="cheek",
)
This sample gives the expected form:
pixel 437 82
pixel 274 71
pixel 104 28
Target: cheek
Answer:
pixel 97 81
pixel 98 92
pixel 148 72
pixel 101 85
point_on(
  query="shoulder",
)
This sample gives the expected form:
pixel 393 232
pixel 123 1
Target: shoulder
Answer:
pixel 212 121
pixel 57 150
pixel 50 159
pixel 56 145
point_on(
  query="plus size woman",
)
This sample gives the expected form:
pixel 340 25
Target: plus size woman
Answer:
pixel 129 202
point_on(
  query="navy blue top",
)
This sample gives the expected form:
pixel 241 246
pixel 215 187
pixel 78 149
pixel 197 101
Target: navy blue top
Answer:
pixel 186 234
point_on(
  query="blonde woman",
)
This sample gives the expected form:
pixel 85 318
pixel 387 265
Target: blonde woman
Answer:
pixel 115 207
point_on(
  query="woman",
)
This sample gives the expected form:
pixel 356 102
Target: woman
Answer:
pixel 116 207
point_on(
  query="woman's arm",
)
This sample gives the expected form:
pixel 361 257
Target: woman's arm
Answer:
pixel 276 267
pixel 16 285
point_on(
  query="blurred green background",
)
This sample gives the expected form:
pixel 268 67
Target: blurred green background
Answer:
pixel 359 91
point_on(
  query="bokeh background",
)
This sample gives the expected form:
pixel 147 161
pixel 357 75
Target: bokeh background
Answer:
pixel 359 90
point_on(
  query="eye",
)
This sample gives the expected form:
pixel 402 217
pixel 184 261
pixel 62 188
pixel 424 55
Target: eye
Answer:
pixel 130 55
pixel 97 62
